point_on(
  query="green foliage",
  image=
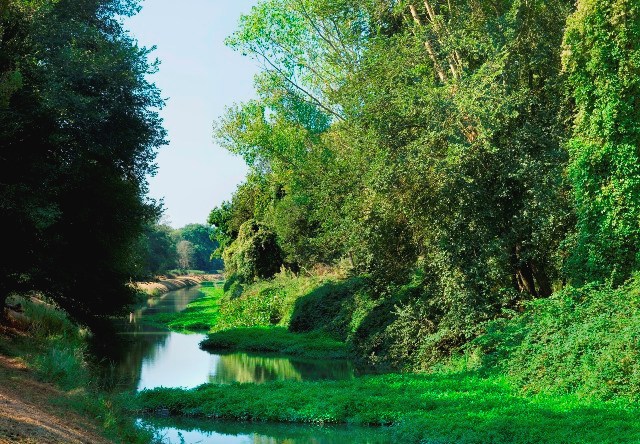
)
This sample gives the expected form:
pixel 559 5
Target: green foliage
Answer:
pixel 601 57
pixel 79 133
pixel 443 408
pixel 367 148
pixel 581 340
pixel 254 254
pixel 265 302
pixel 200 237
pixel 156 250
pixel 313 345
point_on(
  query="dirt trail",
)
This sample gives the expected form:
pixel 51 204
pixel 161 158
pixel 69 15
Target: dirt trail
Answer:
pixel 27 415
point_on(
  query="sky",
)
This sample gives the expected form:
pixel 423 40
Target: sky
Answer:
pixel 200 76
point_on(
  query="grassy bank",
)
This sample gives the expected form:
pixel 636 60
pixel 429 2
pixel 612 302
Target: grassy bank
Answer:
pixel 200 315
pixel 208 314
pixel 314 345
pixel 565 370
pixel 440 408
pixel 53 350
pixel 580 340
pixel 172 282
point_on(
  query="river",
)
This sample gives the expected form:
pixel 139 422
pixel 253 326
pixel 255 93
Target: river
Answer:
pixel 145 357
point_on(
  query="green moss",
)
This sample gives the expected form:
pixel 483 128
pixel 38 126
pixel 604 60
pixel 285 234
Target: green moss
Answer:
pixel 276 340
pixel 441 408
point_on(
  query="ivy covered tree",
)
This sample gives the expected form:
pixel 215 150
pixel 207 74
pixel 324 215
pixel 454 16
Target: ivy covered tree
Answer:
pixel 602 61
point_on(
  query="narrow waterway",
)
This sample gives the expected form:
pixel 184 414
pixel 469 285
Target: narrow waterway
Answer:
pixel 143 356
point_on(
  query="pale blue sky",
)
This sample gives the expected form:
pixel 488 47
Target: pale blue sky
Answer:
pixel 200 76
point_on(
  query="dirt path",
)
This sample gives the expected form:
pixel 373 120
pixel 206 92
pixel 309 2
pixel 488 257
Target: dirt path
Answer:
pixel 27 415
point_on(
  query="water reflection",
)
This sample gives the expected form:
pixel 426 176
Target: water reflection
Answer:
pixel 178 430
pixel 241 367
pixel 143 356
pixel 126 356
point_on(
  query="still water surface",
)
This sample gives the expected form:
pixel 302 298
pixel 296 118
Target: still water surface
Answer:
pixel 145 357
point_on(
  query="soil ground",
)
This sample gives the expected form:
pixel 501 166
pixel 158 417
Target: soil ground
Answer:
pixel 32 412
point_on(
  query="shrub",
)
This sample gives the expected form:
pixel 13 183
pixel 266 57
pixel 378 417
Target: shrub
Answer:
pixel 254 254
pixel 581 340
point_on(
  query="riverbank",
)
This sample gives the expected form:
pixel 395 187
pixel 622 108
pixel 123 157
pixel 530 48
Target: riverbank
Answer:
pixel 37 412
pixel 165 284
pixel 48 394
pixel 456 407
pixel 553 373
pixel 200 315
pixel 313 345
pixel 203 315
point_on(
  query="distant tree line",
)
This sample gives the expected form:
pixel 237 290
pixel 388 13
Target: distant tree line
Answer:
pixel 162 248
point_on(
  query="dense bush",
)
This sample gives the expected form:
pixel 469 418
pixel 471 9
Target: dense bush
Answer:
pixel 581 340
pixel 254 254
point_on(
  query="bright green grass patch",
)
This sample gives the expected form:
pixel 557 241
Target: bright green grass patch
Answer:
pixel 276 340
pixel 200 315
pixel 441 408
pixel 266 302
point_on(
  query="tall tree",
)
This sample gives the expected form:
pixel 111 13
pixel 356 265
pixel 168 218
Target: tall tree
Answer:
pixel 412 139
pixel 78 134
pixel 203 246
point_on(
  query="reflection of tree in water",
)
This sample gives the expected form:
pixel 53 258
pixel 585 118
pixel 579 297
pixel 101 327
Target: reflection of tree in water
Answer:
pixel 317 369
pixel 121 369
pixel 121 358
pixel 270 433
pixel 240 367
pixel 172 302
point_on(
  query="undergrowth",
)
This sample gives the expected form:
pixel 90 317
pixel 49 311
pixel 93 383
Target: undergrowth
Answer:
pixel 440 408
pixel 56 350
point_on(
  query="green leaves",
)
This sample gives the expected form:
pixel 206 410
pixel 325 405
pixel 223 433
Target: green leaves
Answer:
pixel 81 121
pixel 601 57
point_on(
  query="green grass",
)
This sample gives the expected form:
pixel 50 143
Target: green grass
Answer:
pixel 56 351
pixel 267 302
pixel 441 408
pixel 200 315
pixel 203 314
pixel 317 345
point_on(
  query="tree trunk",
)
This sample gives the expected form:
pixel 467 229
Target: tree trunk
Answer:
pixel 525 280
pixel 544 286
pixel 427 44
pixel 3 300
pixel 523 272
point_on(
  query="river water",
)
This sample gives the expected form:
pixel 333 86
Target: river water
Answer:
pixel 145 357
